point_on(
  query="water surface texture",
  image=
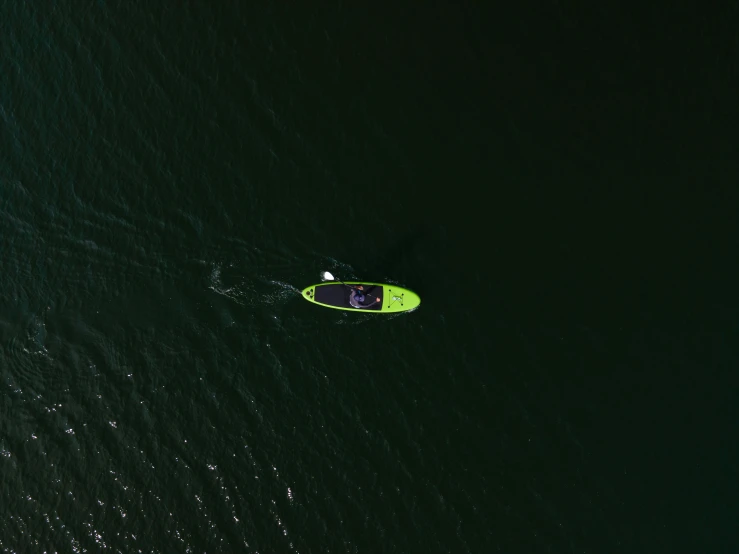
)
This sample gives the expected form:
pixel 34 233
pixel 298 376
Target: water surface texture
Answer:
pixel 173 174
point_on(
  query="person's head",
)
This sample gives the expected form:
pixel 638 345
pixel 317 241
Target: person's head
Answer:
pixel 359 297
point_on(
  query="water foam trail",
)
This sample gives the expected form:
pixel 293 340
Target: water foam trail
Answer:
pixel 250 291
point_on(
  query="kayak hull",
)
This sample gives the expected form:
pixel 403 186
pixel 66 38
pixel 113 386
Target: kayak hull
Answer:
pixel 392 298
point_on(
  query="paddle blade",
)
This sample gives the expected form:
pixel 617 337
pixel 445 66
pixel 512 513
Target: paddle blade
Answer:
pixel 326 276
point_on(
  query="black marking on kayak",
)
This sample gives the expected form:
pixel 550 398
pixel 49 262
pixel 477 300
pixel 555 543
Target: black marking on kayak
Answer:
pixel 338 295
pixel 394 297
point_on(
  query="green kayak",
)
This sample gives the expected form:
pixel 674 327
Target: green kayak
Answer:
pixel 359 296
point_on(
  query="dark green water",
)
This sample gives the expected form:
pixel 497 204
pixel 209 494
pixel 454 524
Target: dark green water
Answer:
pixel 555 188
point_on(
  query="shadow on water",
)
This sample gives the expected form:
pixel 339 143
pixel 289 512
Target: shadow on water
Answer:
pixel 407 258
